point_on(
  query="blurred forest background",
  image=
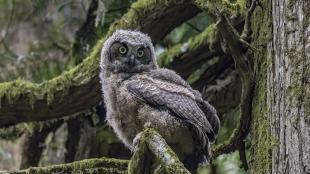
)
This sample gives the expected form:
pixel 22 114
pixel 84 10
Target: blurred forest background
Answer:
pixel 39 40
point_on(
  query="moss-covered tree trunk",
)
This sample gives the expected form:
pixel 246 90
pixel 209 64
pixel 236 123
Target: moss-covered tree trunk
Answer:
pixel 280 125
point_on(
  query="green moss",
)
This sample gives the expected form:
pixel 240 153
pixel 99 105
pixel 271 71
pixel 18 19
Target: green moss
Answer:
pixel 105 139
pixel 261 140
pixel 207 36
pixel 163 153
pixel 152 142
pixel 138 157
pixel 234 8
pixel 12 90
pixel 104 165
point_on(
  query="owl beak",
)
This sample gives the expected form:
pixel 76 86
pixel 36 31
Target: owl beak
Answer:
pixel 131 60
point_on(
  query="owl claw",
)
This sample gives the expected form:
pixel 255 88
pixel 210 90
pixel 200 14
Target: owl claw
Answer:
pixel 135 142
pixel 147 125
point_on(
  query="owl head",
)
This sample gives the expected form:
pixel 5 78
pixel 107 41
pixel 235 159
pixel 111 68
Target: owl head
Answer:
pixel 128 52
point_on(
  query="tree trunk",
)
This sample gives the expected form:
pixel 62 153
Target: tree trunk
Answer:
pixel 289 87
pixel 280 129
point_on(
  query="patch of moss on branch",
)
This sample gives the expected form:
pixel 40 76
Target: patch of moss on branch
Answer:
pixel 85 166
pixel 234 8
pixel 151 143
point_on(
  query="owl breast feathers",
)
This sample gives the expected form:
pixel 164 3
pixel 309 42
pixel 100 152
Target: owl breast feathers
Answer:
pixel 138 93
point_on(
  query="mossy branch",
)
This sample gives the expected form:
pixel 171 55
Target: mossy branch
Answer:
pixel 235 47
pixel 78 89
pixel 151 143
pixel 85 166
pixel 232 7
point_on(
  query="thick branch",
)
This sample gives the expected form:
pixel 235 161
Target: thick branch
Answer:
pixel 84 166
pixel 234 47
pixel 78 89
pixel 152 141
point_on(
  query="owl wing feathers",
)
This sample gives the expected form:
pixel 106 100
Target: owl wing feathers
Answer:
pixel 177 99
pixel 211 115
pixel 207 109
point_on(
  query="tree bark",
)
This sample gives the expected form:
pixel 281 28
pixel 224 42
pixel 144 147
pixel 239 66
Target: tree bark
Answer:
pixel 289 87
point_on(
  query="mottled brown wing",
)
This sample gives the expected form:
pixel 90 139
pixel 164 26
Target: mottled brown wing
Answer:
pixel 176 99
pixel 207 109
pixel 211 115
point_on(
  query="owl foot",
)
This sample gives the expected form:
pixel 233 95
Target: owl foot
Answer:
pixel 147 125
pixel 135 141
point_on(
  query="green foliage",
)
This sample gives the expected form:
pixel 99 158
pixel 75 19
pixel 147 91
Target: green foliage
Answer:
pixel 228 123
pixel 232 7
pixel 229 164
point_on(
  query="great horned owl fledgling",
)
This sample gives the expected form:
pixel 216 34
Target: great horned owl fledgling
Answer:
pixel 138 93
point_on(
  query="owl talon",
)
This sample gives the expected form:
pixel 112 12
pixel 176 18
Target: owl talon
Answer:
pixel 135 142
pixel 147 125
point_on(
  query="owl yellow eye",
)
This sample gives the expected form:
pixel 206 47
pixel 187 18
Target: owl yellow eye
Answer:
pixel 122 50
pixel 140 53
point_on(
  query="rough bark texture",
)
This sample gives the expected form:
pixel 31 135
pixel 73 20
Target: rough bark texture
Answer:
pixel 289 86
